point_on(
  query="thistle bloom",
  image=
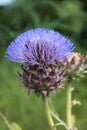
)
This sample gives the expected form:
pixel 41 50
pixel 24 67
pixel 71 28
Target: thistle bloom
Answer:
pixel 41 53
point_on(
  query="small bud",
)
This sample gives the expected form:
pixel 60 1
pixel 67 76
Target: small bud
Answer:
pixel 75 102
pixel 76 66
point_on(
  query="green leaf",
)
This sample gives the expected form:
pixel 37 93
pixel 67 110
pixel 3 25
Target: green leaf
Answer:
pixel 16 126
pixel 10 125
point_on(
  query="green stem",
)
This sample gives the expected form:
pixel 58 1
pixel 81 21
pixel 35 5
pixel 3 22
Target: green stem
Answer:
pixel 48 114
pixel 69 108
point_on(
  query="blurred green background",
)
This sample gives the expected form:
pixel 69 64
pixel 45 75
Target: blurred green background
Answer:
pixel 69 17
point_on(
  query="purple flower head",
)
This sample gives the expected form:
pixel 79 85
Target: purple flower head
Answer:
pixel 38 46
pixel 41 52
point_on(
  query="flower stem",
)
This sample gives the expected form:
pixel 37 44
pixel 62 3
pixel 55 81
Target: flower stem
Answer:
pixel 69 108
pixel 48 114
